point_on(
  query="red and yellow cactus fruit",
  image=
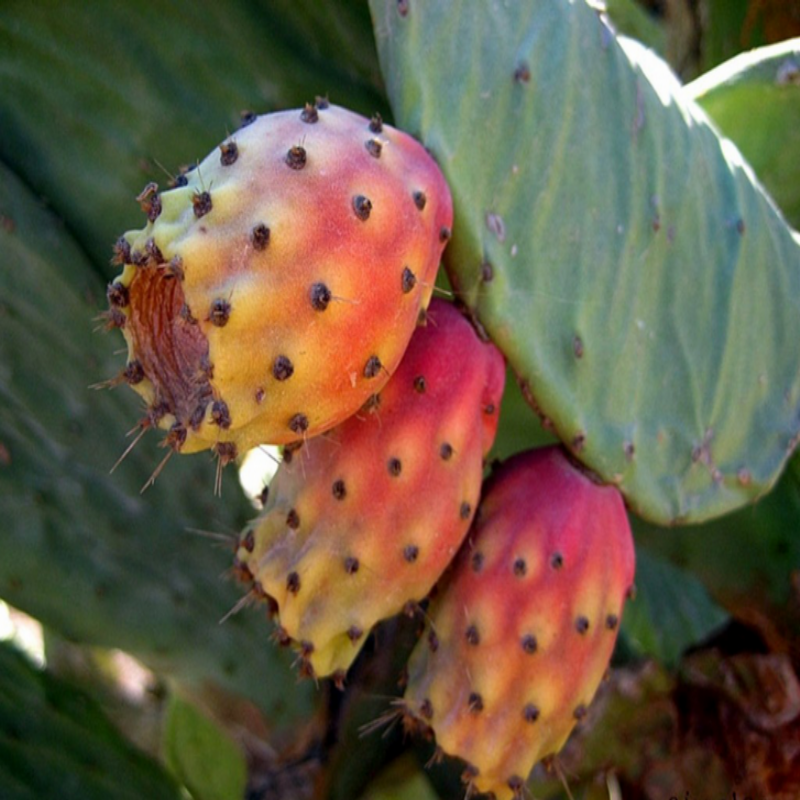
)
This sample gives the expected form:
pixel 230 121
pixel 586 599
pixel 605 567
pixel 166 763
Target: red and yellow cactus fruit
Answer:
pixel 522 629
pixel 276 287
pixel 363 521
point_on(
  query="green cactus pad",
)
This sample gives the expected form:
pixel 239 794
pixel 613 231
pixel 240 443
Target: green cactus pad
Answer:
pixel 56 742
pixel 202 754
pixel 671 610
pixel 748 560
pixel 767 79
pixel 621 254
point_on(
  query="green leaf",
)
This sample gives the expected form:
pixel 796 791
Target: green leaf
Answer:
pixel 201 754
pixel 642 285
pixel 747 560
pixel 97 96
pixel 755 100
pixel 55 742
pixel 670 612
pixel 82 550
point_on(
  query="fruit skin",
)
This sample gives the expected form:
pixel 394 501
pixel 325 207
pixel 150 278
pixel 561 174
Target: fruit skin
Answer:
pixel 364 520
pixel 522 628
pixel 276 287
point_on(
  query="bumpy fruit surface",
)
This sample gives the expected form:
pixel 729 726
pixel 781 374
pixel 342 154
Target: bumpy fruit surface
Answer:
pixel 276 287
pixel 364 520
pixel 522 629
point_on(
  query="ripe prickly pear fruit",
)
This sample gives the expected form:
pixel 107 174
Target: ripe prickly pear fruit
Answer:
pixel 276 287
pixel 363 521
pixel 522 629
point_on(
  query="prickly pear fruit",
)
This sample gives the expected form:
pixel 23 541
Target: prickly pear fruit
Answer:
pixel 522 629
pixel 276 287
pixel 363 521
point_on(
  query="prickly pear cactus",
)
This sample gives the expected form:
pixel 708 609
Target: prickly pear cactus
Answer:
pixel 619 252
pixel 276 286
